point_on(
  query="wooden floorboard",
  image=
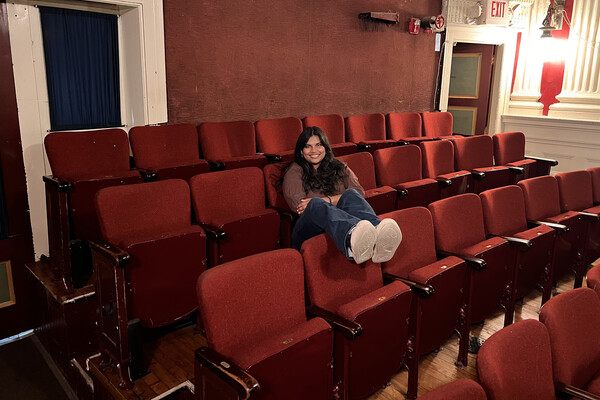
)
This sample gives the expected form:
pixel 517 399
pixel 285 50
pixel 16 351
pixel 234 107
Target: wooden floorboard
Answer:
pixel 171 358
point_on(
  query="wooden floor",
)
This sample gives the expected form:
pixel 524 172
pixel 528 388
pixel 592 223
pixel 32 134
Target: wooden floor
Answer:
pixel 172 359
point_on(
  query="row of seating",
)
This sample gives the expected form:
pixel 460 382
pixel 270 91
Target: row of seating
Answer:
pixel 555 357
pixel 474 275
pixel 83 162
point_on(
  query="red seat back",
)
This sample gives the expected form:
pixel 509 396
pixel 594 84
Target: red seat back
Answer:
pixel 365 127
pixel 273 183
pixel 164 145
pixel 541 197
pixel 332 280
pixel 362 165
pixel 516 363
pixel 223 140
pixel 438 157
pixel 85 154
pixel 504 210
pixel 403 125
pixel 595 174
pixel 278 135
pixel 458 222
pixel 395 165
pixel 249 300
pixel 417 248
pixel 573 323
pixel 473 152
pixel 143 210
pixel 331 124
pixel 508 147
pixel 575 190
pixel 437 124
pixel 225 196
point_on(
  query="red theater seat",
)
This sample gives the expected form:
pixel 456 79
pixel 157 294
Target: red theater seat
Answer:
pixel 260 343
pixel 505 216
pixel 148 269
pixel 82 163
pixel 369 318
pixel 573 322
pixel 230 144
pixel 459 231
pixel 167 151
pixel 516 363
pixel 383 198
pixel 417 261
pixel 333 126
pixel 509 150
pixel 276 138
pixel 542 206
pixel 230 205
pixel 368 131
pixel 476 154
pixel 576 194
pixel 438 164
pixel 400 168
pixel 592 279
pixel 438 125
pixel 404 127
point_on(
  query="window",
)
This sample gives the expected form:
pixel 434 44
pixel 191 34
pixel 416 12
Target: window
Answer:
pixel 81 52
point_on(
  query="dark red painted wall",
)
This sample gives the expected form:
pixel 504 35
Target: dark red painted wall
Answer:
pixel 251 60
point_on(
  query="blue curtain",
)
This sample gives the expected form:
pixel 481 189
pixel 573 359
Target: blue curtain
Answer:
pixel 82 68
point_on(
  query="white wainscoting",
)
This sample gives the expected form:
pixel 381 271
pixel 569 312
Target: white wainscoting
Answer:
pixel 575 144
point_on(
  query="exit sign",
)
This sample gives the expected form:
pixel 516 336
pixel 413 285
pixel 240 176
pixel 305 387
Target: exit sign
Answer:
pixel 497 12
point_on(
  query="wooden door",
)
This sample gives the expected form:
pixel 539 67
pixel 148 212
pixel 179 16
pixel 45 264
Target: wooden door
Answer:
pixel 470 83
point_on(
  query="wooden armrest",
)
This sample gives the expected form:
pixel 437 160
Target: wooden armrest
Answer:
pixel 61 185
pixel 363 147
pixel 216 165
pixel 522 244
pixel 148 175
pixel 422 290
pixel 272 158
pixel 243 383
pixel 350 329
pixel 478 175
pixel 213 232
pixel 590 216
pixel 550 161
pixel 516 170
pixel 444 182
pixel 120 256
pixel 574 391
pixel 560 228
pixel 286 214
pixel 474 262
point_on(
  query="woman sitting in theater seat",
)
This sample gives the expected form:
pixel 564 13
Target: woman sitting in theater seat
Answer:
pixel 328 197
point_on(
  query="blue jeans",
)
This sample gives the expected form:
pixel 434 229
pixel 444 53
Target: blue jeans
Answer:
pixel 320 216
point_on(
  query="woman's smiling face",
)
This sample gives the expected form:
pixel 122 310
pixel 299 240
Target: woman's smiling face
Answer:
pixel 314 151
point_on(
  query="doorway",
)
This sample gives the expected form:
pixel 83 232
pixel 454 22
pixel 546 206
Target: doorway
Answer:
pixel 469 90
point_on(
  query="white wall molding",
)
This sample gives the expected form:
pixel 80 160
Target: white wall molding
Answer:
pixel 580 95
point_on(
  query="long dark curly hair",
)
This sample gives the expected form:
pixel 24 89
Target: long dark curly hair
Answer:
pixel 330 171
